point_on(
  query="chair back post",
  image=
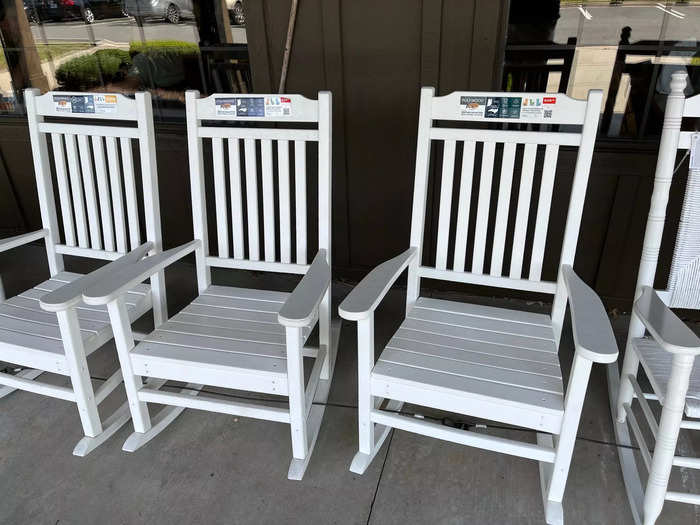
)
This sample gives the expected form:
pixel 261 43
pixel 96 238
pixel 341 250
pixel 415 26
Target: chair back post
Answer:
pixel 576 202
pixel 199 205
pixel 420 192
pixel 325 197
pixel 663 177
pixel 151 199
pixel 47 205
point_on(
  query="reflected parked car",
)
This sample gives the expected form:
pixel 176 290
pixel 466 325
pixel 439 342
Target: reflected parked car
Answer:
pixel 171 10
pixel 87 10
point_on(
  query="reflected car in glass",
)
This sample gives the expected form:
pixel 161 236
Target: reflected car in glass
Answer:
pixel 87 10
pixel 170 10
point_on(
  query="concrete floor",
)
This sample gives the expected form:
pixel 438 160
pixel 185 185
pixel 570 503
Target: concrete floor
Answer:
pixel 213 468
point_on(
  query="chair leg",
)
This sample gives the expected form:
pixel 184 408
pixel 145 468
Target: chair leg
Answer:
pixel 124 341
pixel 79 373
pixel 295 381
pixel 669 427
pixel 325 335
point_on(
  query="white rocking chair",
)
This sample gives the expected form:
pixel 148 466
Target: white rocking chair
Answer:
pixel 486 362
pixel 244 339
pixel 59 338
pixel 668 353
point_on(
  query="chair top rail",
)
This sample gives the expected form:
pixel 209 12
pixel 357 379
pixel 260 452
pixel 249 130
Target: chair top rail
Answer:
pixel 108 106
pixel 257 108
pixel 483 106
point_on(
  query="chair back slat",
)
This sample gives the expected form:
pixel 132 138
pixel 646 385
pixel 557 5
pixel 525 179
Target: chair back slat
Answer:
pixel 268 200
pixel 465 189
pixel 285 206
pixel 130 192
pixel 544 204
pixel 504 189
pixel 523 210
pixel 63 188
pixel 300 195
pixel 267 179
pixel 234 162
pixel 500 237
pixel 448 166
pixel 76 185
pixel 115 181
pixel 104 193
pixel 90 194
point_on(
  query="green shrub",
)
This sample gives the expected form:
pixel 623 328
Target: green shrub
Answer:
pixel 105 65
pixel 163 47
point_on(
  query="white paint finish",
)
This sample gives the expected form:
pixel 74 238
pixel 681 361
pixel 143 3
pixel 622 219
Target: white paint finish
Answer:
pixel 297 410
pixel 302 305
pixel 366 296
pixel 251 182
pixel 482 217
pixel 90 194
pixel 268 200
pixel 130 192
pixel 593 335
pixel 300 200
pixel 103 192
pixel 125 107
pixel 258 133
pixel 471 359
pixel 262 266
pixel 544 204
pixel 284 200
pixel 448 167
pixel 657 364
pixel 115 182
pixel 220 200
pixel 76 186
pixel 234 162
pixel 17 382
pixel 63 189
pixel 504 187
pixel 672 334
pixel 465 190
pixel 9 243
pixel 523 211
pixel 86 129
pixel 464 437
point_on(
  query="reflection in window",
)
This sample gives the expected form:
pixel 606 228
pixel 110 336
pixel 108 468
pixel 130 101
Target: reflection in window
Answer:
pixel 627 49
pixel 164 46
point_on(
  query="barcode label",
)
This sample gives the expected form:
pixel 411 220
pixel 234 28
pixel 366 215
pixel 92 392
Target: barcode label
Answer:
pixel 547 113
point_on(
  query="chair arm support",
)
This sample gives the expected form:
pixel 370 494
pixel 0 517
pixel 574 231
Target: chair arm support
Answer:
pixel 672 334
pixel 19 240
pixel 71 294
pixel 366 296
pixel 127 277
pixel 300 307
pixel 593 335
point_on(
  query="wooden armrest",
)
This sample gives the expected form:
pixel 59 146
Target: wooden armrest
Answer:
pixel 71 294
pixel 672 334
pixel 112 286
pixel 19 240
pixel 366 296
pixel 300 307
pixel 593 334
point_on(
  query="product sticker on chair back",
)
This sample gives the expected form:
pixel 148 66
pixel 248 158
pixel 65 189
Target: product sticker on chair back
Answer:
pixel 468 249
pixel 91 159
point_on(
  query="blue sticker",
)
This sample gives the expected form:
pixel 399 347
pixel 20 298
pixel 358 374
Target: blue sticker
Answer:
pixel 503 107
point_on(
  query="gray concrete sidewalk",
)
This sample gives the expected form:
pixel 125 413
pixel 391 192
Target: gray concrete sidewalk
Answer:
pixel 213 468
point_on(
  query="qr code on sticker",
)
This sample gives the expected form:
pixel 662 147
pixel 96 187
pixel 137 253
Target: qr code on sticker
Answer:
pixel 547 113
pixel 287 111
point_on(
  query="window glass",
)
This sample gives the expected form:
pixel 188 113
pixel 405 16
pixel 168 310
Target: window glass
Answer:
pixel 163 46
pixel 629 49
